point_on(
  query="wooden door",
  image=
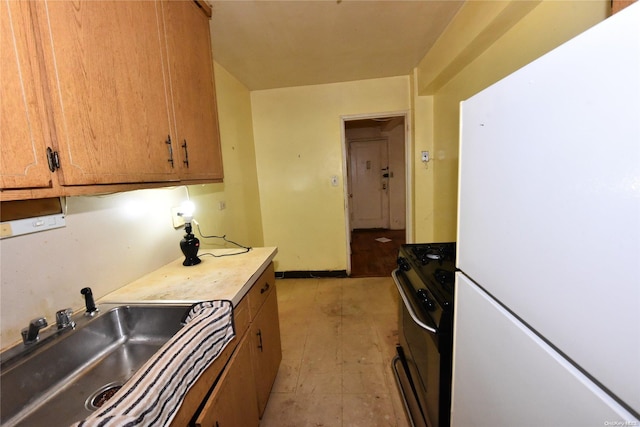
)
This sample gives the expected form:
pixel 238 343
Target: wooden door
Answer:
pixel 104 63
pixel 195 117
pixel 233 401
pixel 23 121
pixel 368 185
pixel 266 349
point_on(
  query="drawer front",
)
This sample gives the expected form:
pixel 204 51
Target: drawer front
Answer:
pixel 261 290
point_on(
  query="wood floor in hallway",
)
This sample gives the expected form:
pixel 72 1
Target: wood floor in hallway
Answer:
pixel 371 257
pixel 338 339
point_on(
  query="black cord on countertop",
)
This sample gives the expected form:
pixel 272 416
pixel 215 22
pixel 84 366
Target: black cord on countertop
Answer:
pixel 223 237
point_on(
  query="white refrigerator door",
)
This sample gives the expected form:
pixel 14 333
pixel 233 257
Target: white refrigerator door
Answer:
pixel 504 375
pixel 549 198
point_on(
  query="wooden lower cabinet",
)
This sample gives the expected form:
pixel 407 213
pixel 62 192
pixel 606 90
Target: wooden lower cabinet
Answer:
pixel 233 401
pixel 266 351
pixel 234 390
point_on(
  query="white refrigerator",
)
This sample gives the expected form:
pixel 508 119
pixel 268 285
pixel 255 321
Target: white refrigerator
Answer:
pixel 547 312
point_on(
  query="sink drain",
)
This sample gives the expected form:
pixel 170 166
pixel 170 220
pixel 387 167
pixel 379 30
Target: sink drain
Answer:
pixel 100 397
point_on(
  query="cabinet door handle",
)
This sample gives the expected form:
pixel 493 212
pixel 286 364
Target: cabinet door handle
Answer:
pixel 186 153
pixel 168 142
pixel 259 334
pixel 265 288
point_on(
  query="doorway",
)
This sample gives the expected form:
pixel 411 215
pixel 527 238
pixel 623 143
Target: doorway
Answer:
pixel 376 168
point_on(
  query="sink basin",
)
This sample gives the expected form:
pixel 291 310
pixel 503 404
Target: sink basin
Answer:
pixel 65 378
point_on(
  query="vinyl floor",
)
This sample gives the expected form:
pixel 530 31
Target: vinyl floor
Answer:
pixel 338 339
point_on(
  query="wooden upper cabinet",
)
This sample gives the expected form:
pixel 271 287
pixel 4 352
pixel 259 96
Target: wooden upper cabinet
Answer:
pixel 108 90
pixel 23 122
pixel 195 119
pixel 122 92
pixel 618 5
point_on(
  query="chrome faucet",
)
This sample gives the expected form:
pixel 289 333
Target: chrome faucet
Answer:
pixel 63 319
pixel 30 334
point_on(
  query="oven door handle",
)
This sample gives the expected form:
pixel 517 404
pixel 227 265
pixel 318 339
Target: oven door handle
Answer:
pixel 409 306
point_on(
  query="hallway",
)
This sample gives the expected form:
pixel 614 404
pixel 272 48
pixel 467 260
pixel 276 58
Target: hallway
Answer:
pixel 371 257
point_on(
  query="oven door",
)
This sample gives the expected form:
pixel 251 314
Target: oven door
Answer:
pixel 420 381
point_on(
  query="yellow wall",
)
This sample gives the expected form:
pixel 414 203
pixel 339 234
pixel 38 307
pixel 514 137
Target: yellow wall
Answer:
pixel 240 221
pixel 423 173
pixel 548 25
pixel 298 148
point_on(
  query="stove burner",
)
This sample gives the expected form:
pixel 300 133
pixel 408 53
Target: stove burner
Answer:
pixel 426 253
pixel 430 265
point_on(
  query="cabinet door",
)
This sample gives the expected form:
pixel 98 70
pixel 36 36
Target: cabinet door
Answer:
pixel 266 351
pixel 195 117
pixel 618 5
pixel 233 401
pixel 108 91
pixel 23 136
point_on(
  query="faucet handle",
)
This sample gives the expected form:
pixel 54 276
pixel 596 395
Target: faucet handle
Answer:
pixel 63 319
pixel 30 334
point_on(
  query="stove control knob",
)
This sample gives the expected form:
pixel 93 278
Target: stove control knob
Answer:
pixel 424 299
pixel 403 264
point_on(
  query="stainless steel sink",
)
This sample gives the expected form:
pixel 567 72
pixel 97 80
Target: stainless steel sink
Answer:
pixel 60 380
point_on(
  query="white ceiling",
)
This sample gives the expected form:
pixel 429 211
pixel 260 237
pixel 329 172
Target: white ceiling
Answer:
pixel 271 44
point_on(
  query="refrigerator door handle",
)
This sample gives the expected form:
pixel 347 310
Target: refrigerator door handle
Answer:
pixel 409 306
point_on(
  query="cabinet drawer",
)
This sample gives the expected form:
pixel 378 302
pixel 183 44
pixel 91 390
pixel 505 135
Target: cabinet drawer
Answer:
pixel 261 290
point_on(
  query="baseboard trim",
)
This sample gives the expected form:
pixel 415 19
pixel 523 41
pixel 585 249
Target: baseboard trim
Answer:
pixel 306 274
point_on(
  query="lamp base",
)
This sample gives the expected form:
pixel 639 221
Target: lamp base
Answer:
pixel 189 245
pixel 188 261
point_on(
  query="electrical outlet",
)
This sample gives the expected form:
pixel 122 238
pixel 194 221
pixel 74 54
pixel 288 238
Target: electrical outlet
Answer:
pixel 178 221
pixel 222 205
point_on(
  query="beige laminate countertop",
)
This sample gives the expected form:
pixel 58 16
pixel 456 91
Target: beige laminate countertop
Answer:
pixel 225 277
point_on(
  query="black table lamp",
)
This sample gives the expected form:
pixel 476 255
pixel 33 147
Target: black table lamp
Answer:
pixel 189 243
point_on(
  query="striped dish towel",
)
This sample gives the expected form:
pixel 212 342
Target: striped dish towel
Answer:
pixel 152 396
